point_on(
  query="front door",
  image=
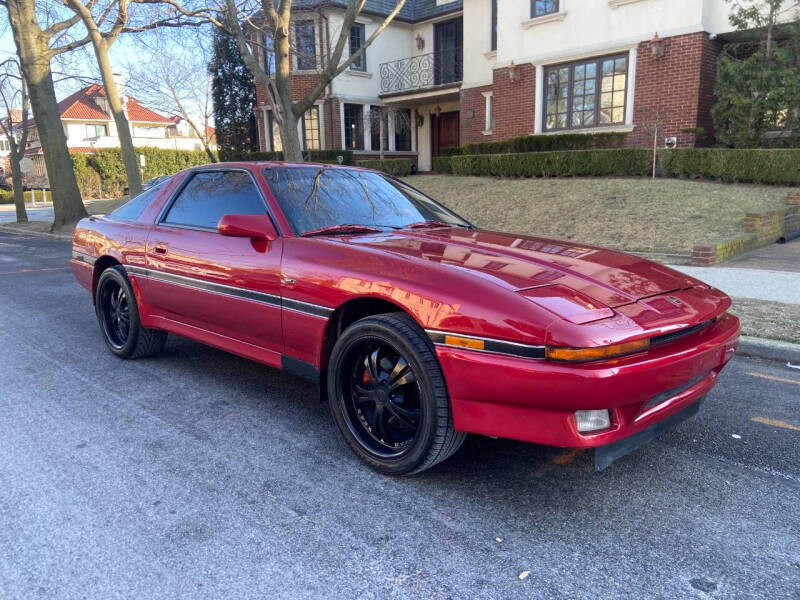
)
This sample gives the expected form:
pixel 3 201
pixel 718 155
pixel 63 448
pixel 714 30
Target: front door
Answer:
pixel 447 47
pixel 229 286
pixel 445 132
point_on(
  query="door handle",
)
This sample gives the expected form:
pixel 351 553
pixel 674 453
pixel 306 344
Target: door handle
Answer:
pixel 160 248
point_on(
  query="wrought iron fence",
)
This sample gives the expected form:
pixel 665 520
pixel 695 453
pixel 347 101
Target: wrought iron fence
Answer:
pixel 423 71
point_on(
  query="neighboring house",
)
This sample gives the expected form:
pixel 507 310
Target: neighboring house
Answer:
pixel 15 116
pixel 89 126
pixel 463 71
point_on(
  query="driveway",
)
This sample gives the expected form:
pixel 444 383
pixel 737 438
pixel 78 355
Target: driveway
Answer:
pixel 198 474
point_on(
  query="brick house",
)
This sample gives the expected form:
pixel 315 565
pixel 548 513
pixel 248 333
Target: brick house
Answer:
pixel 448 72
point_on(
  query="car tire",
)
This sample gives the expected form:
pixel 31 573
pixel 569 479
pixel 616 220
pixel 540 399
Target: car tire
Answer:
pixel 388 397
pixel 118 317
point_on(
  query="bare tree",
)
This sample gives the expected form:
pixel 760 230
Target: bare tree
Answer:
pixel 250 22
pixel 13 90
pixel 176 80
pixel 115 15
pixel 36 46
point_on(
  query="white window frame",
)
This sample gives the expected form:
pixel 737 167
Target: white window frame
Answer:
pixel 488 107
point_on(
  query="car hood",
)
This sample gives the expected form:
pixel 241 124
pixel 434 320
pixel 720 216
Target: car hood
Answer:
pixel 521 262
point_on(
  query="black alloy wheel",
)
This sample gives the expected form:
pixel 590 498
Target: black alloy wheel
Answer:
pixel 388 396
pixel 118 316
pixel 381 398
pixel 116 313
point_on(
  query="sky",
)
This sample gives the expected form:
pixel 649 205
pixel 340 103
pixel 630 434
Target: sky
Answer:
pixel 126 50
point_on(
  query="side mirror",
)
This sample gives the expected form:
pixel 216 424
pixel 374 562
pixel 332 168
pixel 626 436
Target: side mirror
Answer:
pixel 257 227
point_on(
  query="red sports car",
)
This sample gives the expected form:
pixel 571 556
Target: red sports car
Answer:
pixel 418 327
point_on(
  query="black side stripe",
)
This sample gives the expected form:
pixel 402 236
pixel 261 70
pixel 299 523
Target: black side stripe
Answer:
pixel 83 257
pixel 489 345
pixel 236 292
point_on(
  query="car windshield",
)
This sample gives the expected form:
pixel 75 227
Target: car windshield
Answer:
pixel 313 198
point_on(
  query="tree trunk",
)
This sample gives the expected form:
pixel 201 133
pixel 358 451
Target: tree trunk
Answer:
pixel 16 181
pixel 35 61
pixel 115 104
pixel 292 148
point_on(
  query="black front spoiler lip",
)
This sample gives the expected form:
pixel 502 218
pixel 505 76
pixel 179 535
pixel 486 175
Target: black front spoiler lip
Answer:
pixel 604 456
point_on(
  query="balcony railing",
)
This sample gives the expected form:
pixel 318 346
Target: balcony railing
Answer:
pixel 423 71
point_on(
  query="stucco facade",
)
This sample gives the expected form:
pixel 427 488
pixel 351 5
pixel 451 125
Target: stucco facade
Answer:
pixel 494 69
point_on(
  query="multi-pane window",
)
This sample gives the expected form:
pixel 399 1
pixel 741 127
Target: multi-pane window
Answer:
pixel 353 126
pixel 586 93
pixel 311 129
pixel 269 53
pixel 358 35
pixel 379 115
pixel 305 44
pixel 402 130
pixel 93 131
pixel 540 8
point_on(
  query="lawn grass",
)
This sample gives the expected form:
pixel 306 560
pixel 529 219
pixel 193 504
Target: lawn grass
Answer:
pixel 771 320
pixel 662 216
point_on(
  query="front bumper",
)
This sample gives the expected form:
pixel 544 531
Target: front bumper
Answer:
pixel 535 400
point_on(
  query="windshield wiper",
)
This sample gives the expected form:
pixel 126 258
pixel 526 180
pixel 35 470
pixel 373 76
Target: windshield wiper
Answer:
pixel 341 229
pixel 433 223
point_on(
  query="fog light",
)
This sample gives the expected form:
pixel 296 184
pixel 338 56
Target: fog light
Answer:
pixel 592 420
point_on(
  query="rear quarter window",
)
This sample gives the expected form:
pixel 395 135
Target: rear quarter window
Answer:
pixel 133 208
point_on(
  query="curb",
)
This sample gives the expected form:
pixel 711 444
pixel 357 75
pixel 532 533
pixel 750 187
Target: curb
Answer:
pixel 24 231
pixel 768 349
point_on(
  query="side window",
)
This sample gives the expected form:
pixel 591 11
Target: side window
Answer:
pixel 133 208
pixel 212 194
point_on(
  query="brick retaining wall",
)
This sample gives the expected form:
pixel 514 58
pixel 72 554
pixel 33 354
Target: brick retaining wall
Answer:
pixel 761 229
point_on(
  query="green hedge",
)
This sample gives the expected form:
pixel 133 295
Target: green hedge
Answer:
pixel 451 151
pixel 7 196
pixel 443 164
pixel 319 156
pixel 399 167
pixel 107 163
pixel 771 166
pixel 542 143
pixel 572 163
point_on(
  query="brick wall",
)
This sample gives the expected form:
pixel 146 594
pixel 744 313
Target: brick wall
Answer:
pixel 677 90
pixel 473 103
pixel 514 103
pixel 761 229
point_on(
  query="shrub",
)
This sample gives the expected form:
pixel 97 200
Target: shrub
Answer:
pixel 107 163
pixel 774 166
pixel 89 184
pixel 451 151
pixel 572 163
pixel 443 164
pixel 6 197
pixel 548 143
pixel 318 156
pixel 399 167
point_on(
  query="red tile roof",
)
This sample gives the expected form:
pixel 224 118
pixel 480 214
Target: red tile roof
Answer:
pixel 81 105
pixel 76 149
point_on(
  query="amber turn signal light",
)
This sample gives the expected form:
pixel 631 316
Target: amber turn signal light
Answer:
pixel 463 342
pixel 582 354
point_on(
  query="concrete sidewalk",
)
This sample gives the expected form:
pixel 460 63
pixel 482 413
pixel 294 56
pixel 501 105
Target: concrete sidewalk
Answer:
pixel 759 284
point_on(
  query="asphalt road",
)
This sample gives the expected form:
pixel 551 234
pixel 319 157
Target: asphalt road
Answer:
pixel 198 474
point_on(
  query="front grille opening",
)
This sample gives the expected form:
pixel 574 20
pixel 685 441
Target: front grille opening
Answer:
pixel 664 396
